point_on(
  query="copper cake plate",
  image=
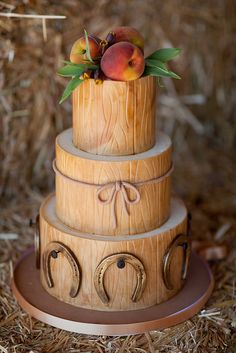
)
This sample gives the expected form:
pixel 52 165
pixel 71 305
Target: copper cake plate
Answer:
pixel 38 303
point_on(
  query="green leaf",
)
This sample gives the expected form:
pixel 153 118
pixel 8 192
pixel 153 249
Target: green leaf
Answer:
pixel 159 72
pixel 156 63
pixel 71 70
pixel 165 54
pixel 162 68
pixel 75 82
pixel 75 70
pixel 87 47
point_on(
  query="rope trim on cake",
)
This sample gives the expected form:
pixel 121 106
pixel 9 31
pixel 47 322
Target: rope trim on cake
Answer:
pixel 115 187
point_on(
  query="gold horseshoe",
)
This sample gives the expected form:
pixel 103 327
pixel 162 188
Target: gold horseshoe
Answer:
pixel 37 241
pixel 121 258
pixel 179 240
pixel 52 250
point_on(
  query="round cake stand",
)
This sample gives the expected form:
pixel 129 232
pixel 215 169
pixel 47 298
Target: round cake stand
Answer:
pixel 38 303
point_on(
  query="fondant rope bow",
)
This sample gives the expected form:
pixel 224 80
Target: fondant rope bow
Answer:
pixel 115 188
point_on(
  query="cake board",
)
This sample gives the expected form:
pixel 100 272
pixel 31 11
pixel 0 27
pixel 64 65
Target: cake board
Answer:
pixel 31 296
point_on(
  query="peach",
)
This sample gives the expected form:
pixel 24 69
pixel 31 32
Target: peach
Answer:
pixel 78 50
pixel 123 61
pixel 126 34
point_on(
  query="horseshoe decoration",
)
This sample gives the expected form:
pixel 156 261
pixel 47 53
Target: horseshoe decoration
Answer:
pixel 37 241
pixel 120 259
pixel 183 241
pixel 52 251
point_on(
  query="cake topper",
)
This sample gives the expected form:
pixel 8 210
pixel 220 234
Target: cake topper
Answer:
pixel 119 57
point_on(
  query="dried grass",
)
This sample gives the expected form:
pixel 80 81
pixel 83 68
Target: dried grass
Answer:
pixel 198 113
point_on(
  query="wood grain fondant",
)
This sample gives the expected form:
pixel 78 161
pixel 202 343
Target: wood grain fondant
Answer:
pixel 77 205
pixel 115 118
pixel 90 250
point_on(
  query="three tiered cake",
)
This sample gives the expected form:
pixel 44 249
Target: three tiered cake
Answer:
pixel 113 247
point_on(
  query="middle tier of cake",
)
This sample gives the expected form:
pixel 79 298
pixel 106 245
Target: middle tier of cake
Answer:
pixel 113 195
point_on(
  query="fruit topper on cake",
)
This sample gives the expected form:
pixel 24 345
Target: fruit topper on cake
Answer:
pixel 119 57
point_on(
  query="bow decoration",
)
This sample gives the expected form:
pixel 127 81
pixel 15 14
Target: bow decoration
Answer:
pixel 115 187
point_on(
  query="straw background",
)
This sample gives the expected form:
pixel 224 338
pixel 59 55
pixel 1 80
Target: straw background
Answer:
pixel 198 113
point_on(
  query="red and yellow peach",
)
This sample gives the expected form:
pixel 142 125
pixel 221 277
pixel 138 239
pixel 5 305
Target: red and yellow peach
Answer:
pixel 123 61
pixel 126 34
pixel 78 51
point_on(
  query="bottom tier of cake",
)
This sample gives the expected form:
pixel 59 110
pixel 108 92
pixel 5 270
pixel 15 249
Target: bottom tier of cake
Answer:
pixel 113 273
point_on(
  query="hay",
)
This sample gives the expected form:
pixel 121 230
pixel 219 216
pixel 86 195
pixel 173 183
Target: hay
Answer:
pixel 197 112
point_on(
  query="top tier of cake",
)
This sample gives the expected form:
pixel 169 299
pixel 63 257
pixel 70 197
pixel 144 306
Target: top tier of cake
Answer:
pixel 115 117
